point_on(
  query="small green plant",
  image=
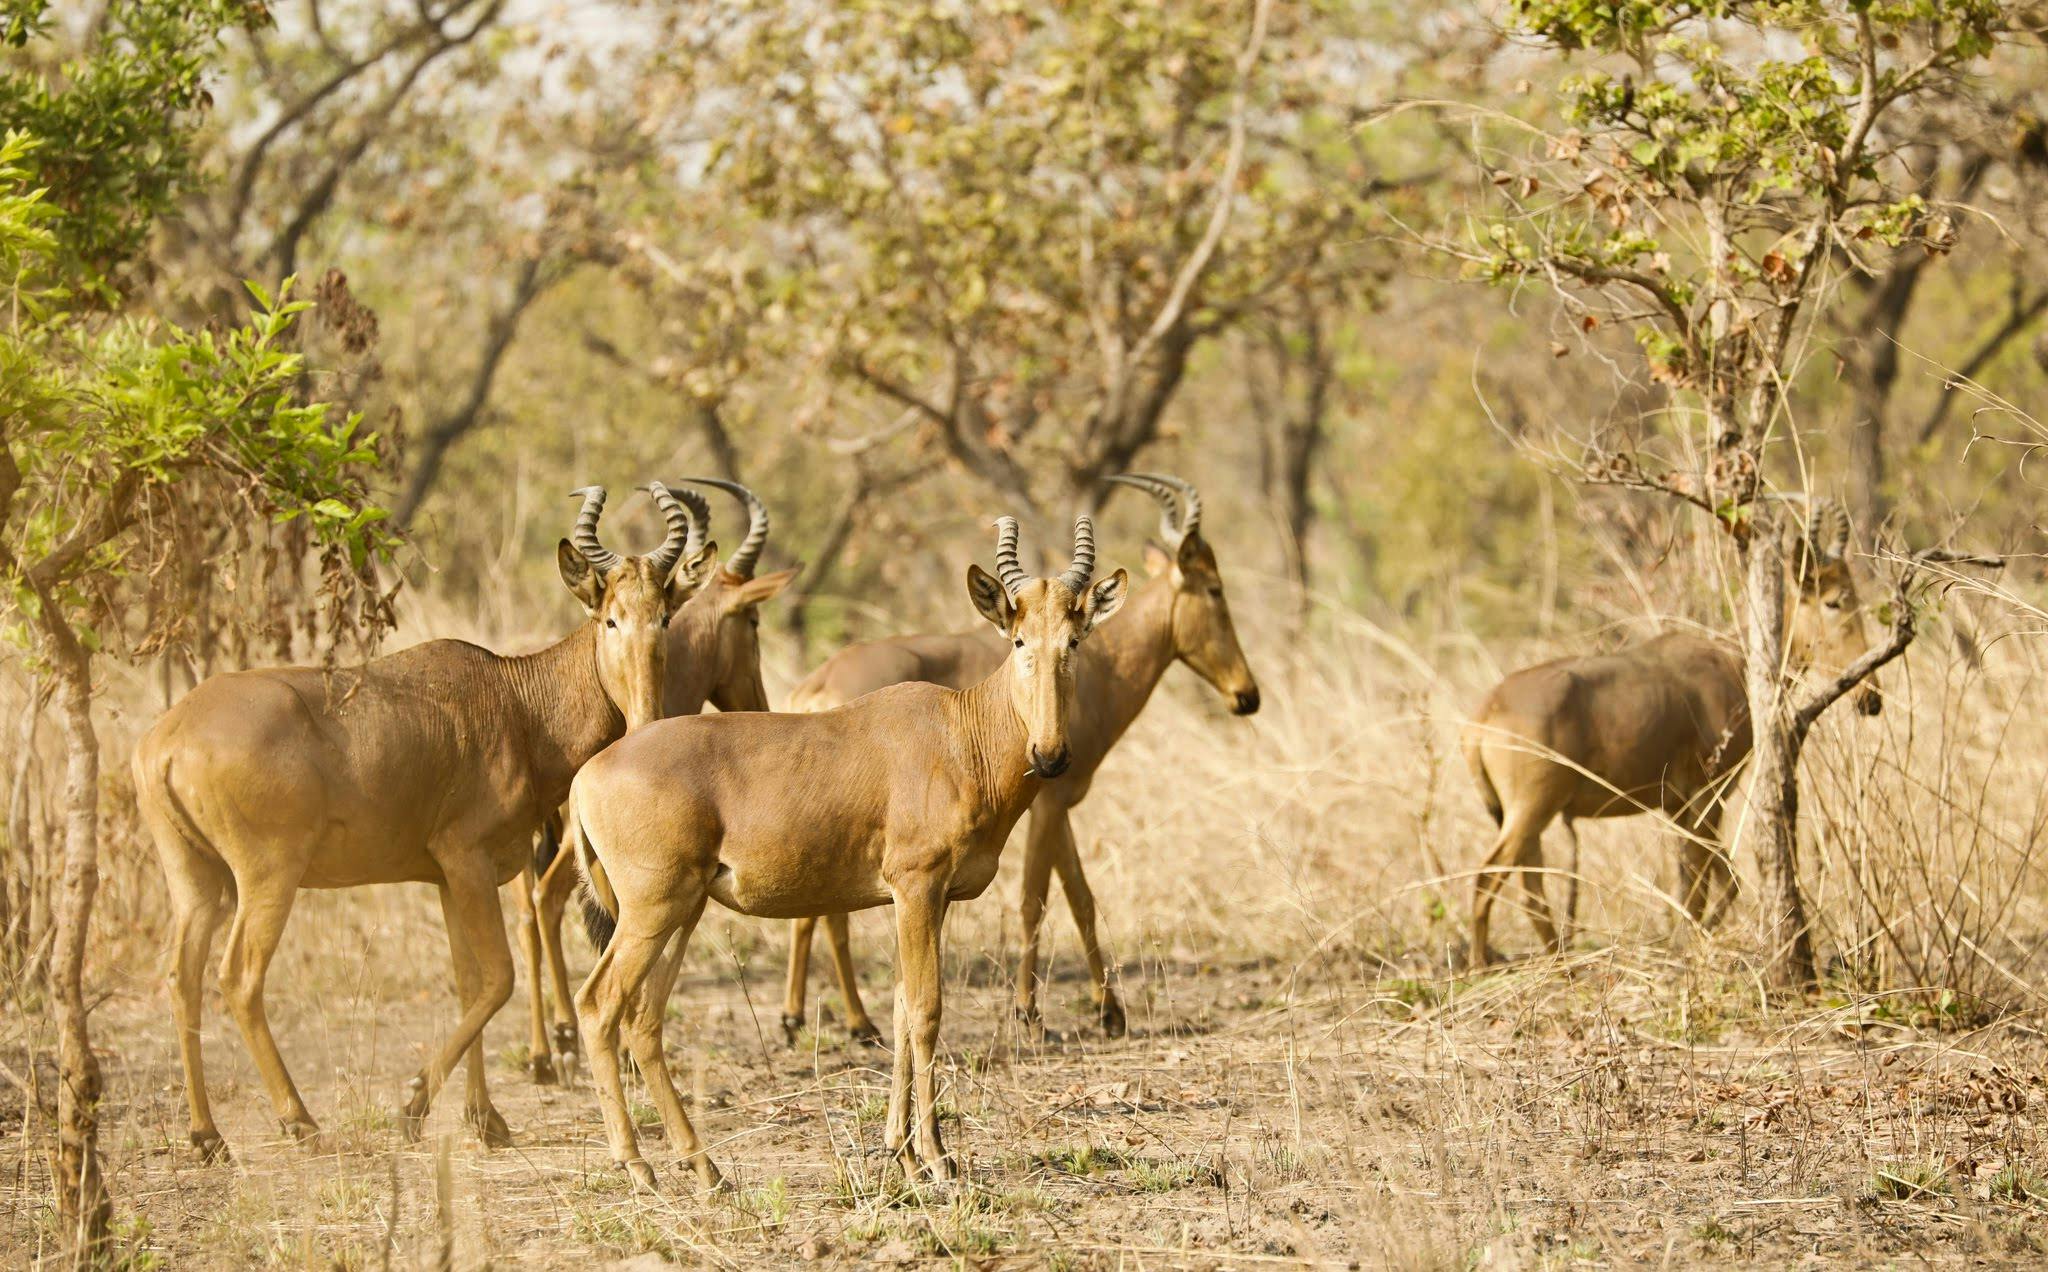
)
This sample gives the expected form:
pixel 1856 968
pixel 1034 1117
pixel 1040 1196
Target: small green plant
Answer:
pixel 768 1204
pixel 1910 1181
pixel 1714 1232
pixel 2019 1184
pixel 1156 1176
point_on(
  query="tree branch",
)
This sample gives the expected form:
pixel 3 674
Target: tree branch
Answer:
pixel 1809 706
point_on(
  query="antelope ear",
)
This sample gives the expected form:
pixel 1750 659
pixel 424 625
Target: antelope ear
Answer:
pixel 1156 560
pixel 690 575
pixel 582 577
pixel 991 599
pixel 764 589
pixel 1106 597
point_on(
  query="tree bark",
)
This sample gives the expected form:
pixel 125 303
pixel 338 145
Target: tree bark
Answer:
pixel 83 1203
pixel 1774 758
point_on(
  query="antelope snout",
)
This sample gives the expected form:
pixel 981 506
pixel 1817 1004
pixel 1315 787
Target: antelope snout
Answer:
pixel 1246 702
pixel 1050 765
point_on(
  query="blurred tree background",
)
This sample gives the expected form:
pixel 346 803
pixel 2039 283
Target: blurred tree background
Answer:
pixel 902 267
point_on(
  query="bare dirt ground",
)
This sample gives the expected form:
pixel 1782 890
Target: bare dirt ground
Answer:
pixel 1600 1110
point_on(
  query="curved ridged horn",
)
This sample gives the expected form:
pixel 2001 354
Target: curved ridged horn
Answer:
pixel 1827 529
pixel 584 536
pixel 745 557
pixel 1083 569
pixel 682 527
pixel 1190 502
pixel 1169 506
pixel 1007 569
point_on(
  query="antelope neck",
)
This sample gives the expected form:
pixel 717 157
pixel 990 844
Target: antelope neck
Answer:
pixel 993 739
pixel 557 693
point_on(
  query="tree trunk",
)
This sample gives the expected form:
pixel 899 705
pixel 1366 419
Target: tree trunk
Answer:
pixel 1774 759
pixel 83 1204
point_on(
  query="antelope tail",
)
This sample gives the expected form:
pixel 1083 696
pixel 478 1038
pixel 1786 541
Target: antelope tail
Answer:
pixel 1475 759
pixel 595 898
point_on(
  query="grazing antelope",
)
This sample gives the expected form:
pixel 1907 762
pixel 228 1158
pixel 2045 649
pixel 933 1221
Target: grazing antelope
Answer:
pixel 714 655
pixel 430 765
pixel 1180 615
pixel 904 796
pixel 1662 726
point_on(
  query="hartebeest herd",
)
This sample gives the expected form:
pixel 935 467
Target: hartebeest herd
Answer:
pixel 894 778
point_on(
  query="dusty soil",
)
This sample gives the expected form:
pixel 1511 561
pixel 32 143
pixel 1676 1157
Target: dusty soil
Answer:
pixel 1612 1108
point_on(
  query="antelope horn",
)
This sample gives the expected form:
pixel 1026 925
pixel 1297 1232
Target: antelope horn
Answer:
pixel 682 529
pixel 1077 575
pixel 1169 505
pixel 745 557
pixel 584 536
pixel 1007 569
pixel 1827 529
pixel 1190 503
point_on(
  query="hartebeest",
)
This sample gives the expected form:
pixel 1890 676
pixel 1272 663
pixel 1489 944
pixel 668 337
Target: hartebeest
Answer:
pixel 904 796
pixel 714 655
pixel 1179 616
pixel 1661 726
pixel 431 765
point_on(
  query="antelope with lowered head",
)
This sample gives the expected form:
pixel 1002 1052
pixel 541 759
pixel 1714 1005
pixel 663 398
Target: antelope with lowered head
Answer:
pixel 904 796
pixel 1660 726
pixel 1179 616
pixel 714 655
pixel 430 765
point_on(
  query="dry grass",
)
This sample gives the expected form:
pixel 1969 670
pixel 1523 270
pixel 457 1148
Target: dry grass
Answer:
pixel 1307 1080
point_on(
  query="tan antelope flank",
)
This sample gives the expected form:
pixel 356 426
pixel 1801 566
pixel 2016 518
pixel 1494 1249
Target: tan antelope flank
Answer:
pixel 431 765
pixel 905 796
pixel 1661 726
pixel 1179 615
pixel 714 655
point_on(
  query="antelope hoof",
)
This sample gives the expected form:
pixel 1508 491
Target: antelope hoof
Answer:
pixel 542 1067
pixel 210 1146
pixel 642 1175
pixel 412 1116
pixel 302 1130
pixel 865 1034
pixel 792 1025
pixel 708 1175
pixel 941 1167
pixel 490 1126
pixel 1111 1014
pixel 567 1042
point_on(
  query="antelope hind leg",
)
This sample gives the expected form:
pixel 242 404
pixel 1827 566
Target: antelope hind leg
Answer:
pixel 1109 1012
pixel 643 1024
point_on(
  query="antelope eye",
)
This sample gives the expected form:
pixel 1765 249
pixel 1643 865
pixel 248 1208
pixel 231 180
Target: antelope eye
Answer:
pixel 1020 642
pixel 1073 642
pixel 1833 602
pixel 611 622
pixel 1216 592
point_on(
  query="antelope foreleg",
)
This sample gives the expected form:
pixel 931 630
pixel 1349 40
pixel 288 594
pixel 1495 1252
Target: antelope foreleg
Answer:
pixel 1041 851
pixel 920 919
pixel 477 1110
pixel 476 927
pixel 858 1026
pixel 539 1059
pixel 557 888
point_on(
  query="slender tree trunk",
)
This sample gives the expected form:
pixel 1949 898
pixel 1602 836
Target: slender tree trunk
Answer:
pixel 82 1200
pixel 1774 759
